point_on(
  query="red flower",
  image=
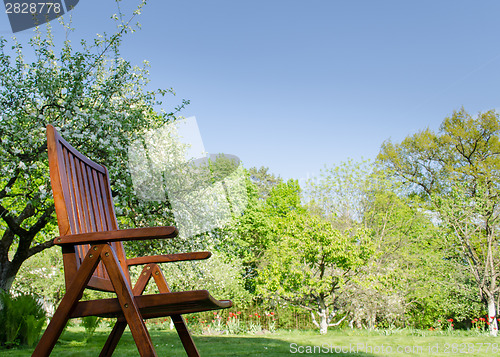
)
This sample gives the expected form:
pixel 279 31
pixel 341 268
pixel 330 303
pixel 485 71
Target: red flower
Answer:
pixel 450 320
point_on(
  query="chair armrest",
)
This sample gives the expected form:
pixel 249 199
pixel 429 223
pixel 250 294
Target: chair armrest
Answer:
pixel 168 258
pixel 118 235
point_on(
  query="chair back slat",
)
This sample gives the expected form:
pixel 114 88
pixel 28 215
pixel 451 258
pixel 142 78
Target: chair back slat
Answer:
pixel 83 201
pixel 90 198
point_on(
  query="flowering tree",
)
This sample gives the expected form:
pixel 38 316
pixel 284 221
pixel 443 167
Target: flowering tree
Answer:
pixel 95 99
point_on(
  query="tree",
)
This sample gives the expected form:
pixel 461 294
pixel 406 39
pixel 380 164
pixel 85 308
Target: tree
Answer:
pixel 310 264
pixel 310 260
pixel 341 191
pixel 413 278
pixel 457 172
pixel 264 180
pixel 407 279
pixel 95 99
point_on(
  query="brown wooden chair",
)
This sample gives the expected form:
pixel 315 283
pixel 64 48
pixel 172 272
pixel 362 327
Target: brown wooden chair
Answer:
pixel 94 258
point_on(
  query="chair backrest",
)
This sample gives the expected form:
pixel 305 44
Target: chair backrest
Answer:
pixel 83 202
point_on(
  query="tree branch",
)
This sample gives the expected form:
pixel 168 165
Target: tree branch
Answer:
pixel 314 320
pixel 39 247
pixel 338 322
pixel 11 222
pixel 42 221
pixel 10 183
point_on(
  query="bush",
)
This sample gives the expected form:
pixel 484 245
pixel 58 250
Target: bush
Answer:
pixel 22 318
pixel 90 323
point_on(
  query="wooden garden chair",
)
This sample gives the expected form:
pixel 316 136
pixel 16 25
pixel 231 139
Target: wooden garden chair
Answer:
pixel 94 258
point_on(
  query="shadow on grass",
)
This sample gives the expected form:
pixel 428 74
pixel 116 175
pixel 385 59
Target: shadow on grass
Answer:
pixel 167 343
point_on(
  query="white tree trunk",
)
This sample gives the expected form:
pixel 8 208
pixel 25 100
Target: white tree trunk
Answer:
pixel 323 320
pixel 323 323
pixel 492 317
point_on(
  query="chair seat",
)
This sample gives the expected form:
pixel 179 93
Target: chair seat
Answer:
pixel 157 305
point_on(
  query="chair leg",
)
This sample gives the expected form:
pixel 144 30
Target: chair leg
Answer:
pixel 127 301
pixel 69 301
pixel 117 332
pixel 185 336
pixel 113 338
pixel 179 322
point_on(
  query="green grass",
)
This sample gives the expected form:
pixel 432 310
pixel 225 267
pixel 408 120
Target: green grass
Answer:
pixel 283 343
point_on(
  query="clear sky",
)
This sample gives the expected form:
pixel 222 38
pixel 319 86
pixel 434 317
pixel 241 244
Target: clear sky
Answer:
pixel 296 85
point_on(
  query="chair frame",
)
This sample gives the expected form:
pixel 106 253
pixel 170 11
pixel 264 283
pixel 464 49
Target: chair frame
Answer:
pixel 94 257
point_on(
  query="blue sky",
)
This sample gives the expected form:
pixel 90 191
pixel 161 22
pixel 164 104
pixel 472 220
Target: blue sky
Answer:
pixel 296 85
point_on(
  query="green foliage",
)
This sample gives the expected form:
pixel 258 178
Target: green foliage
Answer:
pixel 410 279
pixel 221 275
pixel 284 198
pixel 253 228
pixel 22 318
pixel 43 275
pixel 465 149
pixel 254 231
pixel 311 259
pixel 341 191
pixel 263 180
pixel 90 323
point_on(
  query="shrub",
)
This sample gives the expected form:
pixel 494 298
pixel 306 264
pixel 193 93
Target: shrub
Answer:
pixel 22 318
pixel 90 323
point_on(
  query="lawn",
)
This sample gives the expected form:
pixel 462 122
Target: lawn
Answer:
pixel 286 343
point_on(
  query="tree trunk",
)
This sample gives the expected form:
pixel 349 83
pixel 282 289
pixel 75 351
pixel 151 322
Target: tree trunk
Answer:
pixel 9 268
pixel 492 316
pixel 323 316
pixel 7 276
pixel 323 323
